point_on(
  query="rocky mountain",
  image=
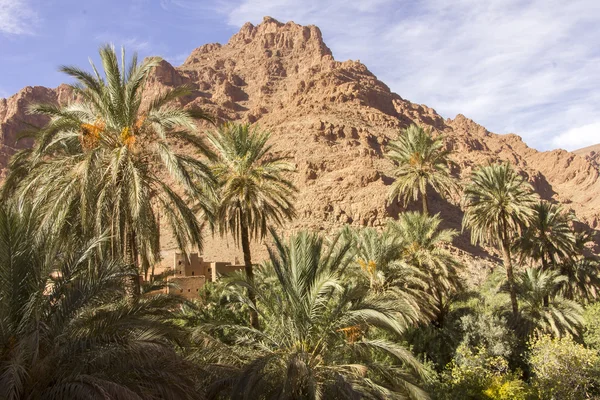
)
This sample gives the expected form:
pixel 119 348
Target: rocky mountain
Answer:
pixel 334 120
pixel 590 153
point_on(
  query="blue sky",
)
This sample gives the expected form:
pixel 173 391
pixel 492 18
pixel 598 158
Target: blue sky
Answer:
pixel 530 67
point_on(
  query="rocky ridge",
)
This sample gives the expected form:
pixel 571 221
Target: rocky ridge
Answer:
pixel 333 119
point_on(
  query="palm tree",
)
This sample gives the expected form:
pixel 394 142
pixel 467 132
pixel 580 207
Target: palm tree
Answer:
pixel 498 203
pixel 322 336
pixel 583 279
pixel 104 161
pixel 378 259
pixel 421 161
pixel 549 237
pixel 254 191
pixel 67 329
pixel 558 316
pixel 424 245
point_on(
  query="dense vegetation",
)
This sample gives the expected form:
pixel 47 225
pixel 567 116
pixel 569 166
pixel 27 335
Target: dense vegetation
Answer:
pixel 374 313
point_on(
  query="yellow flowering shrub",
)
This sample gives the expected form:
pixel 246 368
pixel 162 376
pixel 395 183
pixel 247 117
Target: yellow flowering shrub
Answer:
pixel 563 369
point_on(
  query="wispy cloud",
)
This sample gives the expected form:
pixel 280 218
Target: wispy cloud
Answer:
pixel 191 5
pixel 130 43
pixel 525 67
pixel 17 17
pixel 581 136
pixel 177 59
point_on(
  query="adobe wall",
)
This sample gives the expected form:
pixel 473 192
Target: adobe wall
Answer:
pixel 222 268
pixel 197 266
pixel 179 264
pixel 186 286
pixel 190 274
pixel 194 266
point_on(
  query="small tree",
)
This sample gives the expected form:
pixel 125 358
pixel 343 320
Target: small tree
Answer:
pixel 424 245
pixel 378 260
pixel 563 369
pixel 542 308
pixel 550 238
pixel 583 279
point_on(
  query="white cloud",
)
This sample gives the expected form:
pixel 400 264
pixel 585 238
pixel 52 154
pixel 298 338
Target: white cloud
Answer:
pixel 177 59
pixel 189 5
pixel 576 138
pixel 136 44
pixel 130 43
pixel 524 67
pixel 16 17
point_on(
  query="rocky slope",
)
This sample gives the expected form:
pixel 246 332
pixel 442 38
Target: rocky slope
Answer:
pixel 590 153
pixel 333 119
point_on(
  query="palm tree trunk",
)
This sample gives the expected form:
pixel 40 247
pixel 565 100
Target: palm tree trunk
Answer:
pixel 152 273
pixel 510 277
pixel 136 262
pixel 509 274
pixel 245 238
pixel 131 257
pixel 440 318
pixel 425 207
pixel 112 240
pixel 158 233
pixel 545 268
pixel 544 263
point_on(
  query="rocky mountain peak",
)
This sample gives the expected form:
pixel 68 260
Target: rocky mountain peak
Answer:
pixel 271 39
pixel 278 39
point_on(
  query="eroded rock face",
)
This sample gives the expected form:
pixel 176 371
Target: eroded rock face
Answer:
pixel 333 119
pixel 15 118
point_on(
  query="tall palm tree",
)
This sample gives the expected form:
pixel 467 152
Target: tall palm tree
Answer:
pixel 549 238
pixel 558 316
pixel 67 329
pixel 498 203
pixel 421 161
pixel 425 246
pixel 322 336
pixel 104 161
pixel 254 190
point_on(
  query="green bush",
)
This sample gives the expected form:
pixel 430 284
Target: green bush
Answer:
pixel 476 375
pixel 435 345
pixel 591 332
pixel 489 331
pixel 563 369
